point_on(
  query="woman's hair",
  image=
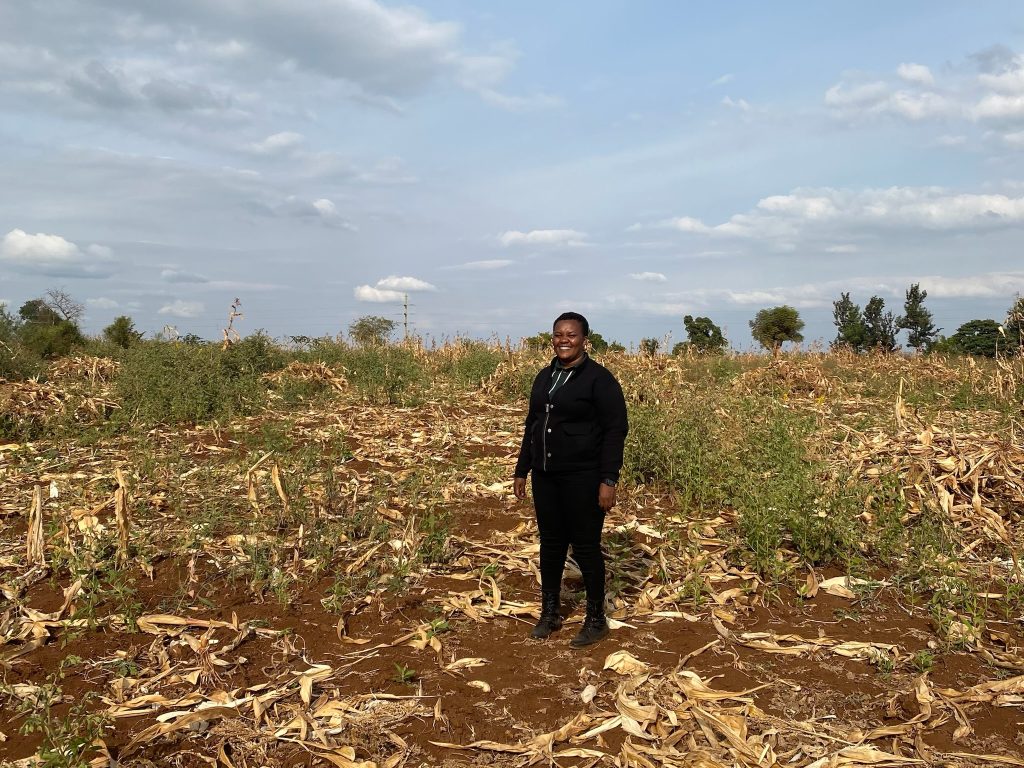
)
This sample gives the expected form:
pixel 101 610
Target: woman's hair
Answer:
pixel 574 316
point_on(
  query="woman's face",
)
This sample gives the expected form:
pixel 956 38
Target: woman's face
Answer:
pixel 568 340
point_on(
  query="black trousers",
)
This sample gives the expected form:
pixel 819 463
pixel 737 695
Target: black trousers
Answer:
pixel 568 514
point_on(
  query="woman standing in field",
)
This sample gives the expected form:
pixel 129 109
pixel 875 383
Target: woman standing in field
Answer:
pixel 573 442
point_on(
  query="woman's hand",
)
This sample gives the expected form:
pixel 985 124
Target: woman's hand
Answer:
pixel 519 487
pixel 605 496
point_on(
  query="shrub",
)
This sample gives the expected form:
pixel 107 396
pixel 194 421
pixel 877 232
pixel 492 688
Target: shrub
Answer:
pixel 677 449
pixel 167 382
pixel 782 494
pixel 713 451
pixel 16 361
pixel 382 374
pixel 122 332
pixel 472 362
pixel 51 341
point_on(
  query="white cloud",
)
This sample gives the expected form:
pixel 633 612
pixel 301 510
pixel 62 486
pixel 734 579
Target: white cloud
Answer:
pixel 200 56
pixel 816 207
pixel 835 212
pixel 179 276
pixel 483 74
pixel 485 264
pixel 741 104
pixel 997 106
pixel 726 78
pixel 102 303
pixel 182 309
pixel 646 306
pixel 543 237
pixel 993 98
pixel 395 283
pixel 916 73
pixel 843 95
pixel 519 103
pixel 994 285
pixel 856 102
pixel 282 143
pixel 1014 139
pixel 322 211
pixel 844 248
pixel 649 277
pixel 687 224
pixel 1010 80
pixel 369 293
pixel 53 255
pixel 139 84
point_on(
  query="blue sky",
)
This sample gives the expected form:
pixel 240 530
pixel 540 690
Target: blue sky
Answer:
pixel 501 163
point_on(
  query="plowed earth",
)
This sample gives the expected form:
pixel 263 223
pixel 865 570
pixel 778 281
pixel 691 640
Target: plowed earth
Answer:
pixel 428 662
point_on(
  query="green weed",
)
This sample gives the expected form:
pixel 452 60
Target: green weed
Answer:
pixel 403 674
pixel 922 661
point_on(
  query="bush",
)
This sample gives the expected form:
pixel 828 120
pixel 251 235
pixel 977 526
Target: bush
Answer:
pixel 782 494
pixel 51 341
pixel 167 382
pixel 746 454
pixel 384 375
pixel 16 362
pixel 676 449
pixel 472 362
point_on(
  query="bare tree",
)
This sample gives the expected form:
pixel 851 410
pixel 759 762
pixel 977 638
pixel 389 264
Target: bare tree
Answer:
pixel 61 302
pixel 230 334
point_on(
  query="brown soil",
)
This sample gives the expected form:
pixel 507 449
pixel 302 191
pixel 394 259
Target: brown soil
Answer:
pixel 521 688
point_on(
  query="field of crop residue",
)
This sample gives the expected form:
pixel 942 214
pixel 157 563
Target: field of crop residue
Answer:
pixel 256 557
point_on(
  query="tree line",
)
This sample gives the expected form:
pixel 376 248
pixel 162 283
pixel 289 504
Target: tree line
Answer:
pixel 48 327
pixel 871 329
pixel 874 328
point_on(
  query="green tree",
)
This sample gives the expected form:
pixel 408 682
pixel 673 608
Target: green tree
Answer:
pixel 371 330
pixel 122 332
pixel 772 327
pixel 51 341
pixel 540 342
pixel 917 320
pixel 879 326
pixel 703 335
pixel 848 319
pixel 597 342
pixel 45 331
pixel 978 337
pixel 38 311
pixel 649 347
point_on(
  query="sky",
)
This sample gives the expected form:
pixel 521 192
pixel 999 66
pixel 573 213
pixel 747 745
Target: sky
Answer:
pixel 499 163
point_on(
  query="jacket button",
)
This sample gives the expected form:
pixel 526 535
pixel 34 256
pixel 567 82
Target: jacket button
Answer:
pixel 549 431
pixel 549 455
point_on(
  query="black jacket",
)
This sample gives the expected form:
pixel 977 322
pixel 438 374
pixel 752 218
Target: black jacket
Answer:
pixel 582 427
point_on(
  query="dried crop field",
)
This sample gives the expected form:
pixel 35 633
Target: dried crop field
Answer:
pixel 814 563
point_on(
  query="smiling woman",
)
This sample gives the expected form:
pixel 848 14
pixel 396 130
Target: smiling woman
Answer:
pixel 572 442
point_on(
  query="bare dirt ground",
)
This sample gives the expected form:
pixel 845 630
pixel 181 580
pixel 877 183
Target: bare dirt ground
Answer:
pixel 213 649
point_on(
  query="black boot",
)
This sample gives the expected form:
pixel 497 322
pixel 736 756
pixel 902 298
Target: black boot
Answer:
pixel 550 619
pixel 595 626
